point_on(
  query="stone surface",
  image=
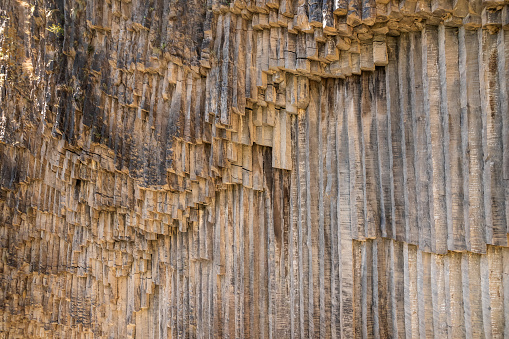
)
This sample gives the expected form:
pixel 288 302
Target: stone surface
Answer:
pixel 264 168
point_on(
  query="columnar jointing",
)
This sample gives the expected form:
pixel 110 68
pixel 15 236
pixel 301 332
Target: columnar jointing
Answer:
pixel 263 169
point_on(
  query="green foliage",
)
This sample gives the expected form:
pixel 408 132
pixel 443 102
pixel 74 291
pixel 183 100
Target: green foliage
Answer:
pixel 56 29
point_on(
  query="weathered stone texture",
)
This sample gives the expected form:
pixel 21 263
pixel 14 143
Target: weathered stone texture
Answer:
pixel 263 168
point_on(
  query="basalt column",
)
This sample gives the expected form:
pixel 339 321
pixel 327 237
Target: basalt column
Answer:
pixel 254 169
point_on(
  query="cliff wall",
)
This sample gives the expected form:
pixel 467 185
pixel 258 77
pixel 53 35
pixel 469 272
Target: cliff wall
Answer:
pixel 268 168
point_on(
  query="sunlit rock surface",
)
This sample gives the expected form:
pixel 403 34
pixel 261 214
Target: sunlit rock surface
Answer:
pixel 264 169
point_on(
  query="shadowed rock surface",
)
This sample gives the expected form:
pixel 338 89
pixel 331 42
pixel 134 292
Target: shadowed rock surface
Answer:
pixel 262 168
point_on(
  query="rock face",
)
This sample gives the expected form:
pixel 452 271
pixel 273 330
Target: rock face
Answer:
pixel 254 168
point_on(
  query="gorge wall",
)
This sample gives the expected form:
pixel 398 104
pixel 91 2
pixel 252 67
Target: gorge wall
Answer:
pixel 263 168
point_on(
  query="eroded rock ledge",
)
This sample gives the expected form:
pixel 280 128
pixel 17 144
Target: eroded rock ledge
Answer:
pixel 254 168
